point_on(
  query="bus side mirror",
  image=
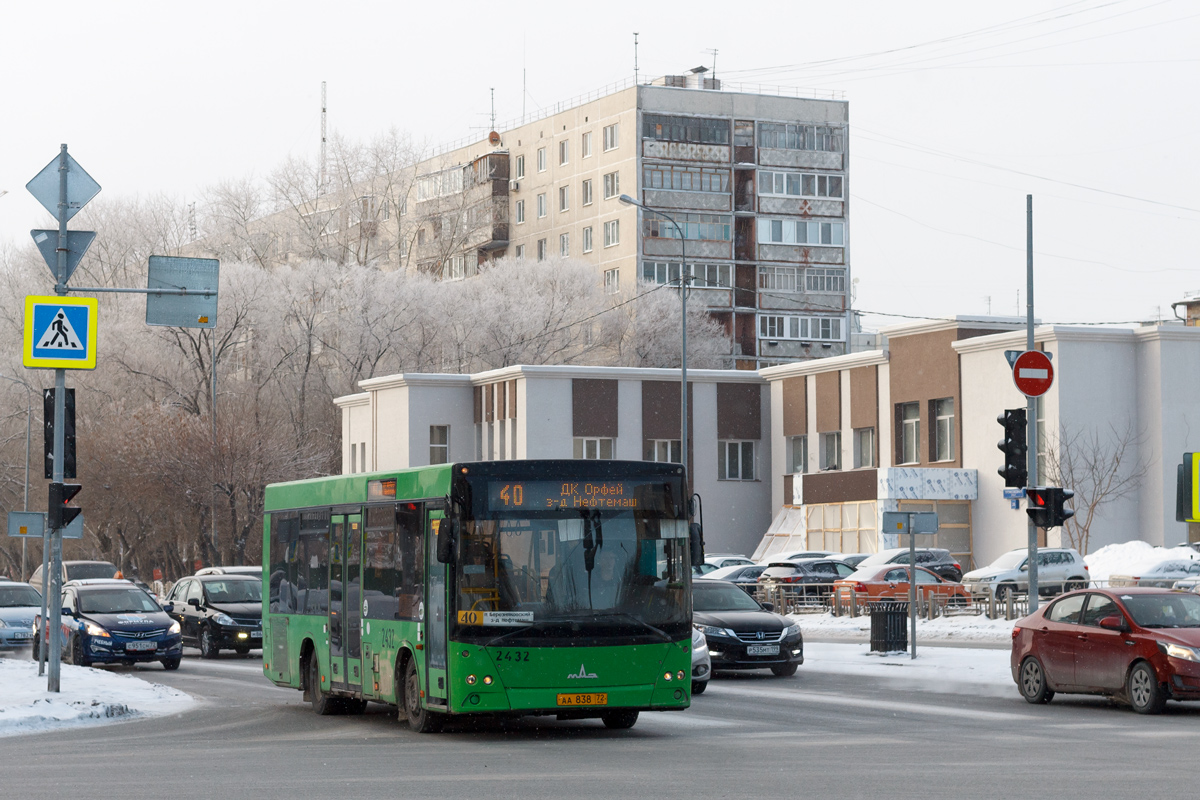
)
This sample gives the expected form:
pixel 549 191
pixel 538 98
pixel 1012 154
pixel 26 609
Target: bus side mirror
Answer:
pixel 447 530
pixel 696 540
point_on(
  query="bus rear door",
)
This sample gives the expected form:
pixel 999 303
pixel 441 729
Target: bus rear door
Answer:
pixel 435 616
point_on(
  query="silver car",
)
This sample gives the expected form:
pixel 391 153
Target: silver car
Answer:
pixel 1059 569
pixel 19 604
pixel 701 662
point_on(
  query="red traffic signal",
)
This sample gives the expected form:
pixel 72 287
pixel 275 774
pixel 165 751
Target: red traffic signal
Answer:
pixel 58 514
pixel 1046 505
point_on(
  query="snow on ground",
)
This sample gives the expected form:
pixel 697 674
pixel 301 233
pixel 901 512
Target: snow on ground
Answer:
pixel 1129 558
pixel 964 628
pixel 959 670
pixel 88 697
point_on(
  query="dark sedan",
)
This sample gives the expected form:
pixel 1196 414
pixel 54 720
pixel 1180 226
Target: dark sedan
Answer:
pixel 815 576
pixel 219 612
pixel 742 634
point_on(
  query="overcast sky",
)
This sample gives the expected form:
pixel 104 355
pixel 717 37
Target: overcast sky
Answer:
pixel 958 110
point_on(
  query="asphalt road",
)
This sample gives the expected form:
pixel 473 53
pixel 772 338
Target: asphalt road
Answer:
pixel 811 735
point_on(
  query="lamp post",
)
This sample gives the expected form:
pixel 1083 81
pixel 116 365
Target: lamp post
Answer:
pixel 28 430
pixel 683 282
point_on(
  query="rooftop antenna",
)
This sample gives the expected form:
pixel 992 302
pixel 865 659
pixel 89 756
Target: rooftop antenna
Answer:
pixel 524 88
pixel 635 64
pixel 714 69
pixel 321 168
pixel 493 91
pixel 192 221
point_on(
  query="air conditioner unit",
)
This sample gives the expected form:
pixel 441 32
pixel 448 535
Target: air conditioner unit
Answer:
pixel 514 186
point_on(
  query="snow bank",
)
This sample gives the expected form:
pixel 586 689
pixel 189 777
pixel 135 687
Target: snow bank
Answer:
pixel 88 697
pixel 943 629
pixel 1130 558
pixel 954 669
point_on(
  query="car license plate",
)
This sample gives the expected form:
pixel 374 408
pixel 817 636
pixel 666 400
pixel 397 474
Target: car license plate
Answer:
pixel 762 649
pixel 22 637
pixel 135 646
pixel 255 634
pixel 584 699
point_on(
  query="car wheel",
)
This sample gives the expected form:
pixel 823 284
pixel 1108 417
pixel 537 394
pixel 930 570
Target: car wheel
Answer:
pixel 1145 694
pixel 1003 589
pixel 1033 682
pixel 1077 582
pixel 242 651
pixel 698 687
pixel 208 648
pixel 322 702
pixel 171 663
pixel 420 719
pixel 619 720
pixel 784 670
pixel 77 656
pixel 37 642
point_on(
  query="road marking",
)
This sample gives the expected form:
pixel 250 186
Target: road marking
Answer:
pixel 800 696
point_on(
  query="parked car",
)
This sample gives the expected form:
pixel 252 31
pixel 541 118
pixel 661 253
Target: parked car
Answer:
pixel 1135 644
pixel 854 559
pixel 794 554
pixel 19 604
pixel 704 569
pixel 936 559
pixel 890 582
pixel 701 662
pixel 727 561
pixel 741 574
pixel 112 621
pixel 1164 574
pixel 219 612
pixel 243 570
pixel 78 571
pixel 1059 569
pixel 741 633
pixel 820 571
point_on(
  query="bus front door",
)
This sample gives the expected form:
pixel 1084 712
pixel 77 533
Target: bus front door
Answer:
pixel 345 602
pixel 435 616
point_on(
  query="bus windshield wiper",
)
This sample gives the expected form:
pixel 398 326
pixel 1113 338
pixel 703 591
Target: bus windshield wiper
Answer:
pixel 666 637
pixel 523 629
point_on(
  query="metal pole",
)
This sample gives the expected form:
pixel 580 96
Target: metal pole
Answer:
pixel 683 398
pixel 25 505
pixel 54 618
pixel 1030 403
pixel 213 415
pixel 912 586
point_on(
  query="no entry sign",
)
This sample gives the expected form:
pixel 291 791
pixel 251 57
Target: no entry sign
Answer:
pixel 1032 373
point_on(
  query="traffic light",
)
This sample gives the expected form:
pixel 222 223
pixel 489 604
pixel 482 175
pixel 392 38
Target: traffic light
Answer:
pixel 1013 446
pixel 59 514
pixel 1046 508
pixel 68 433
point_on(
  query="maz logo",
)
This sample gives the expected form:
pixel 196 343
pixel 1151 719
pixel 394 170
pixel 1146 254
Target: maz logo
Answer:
pixel 583 673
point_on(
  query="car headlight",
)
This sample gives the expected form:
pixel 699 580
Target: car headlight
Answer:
pixel 2 625
pixel 95 630
pixel 1179 651
pixel 223 619
pixel 174 628
pixel 709 630
pixel 791 630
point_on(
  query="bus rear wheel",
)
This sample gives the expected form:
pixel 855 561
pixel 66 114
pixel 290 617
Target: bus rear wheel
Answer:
pixel 420 719
pixel 322 703
pixel 619 720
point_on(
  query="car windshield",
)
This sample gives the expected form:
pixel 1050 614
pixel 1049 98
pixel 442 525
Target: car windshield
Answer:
pixel 863 573
pixel 1010 560
pixel 718 597
pixel 117 600
pixel 19 596
pixel 780 572
pixel 878 559
pixel 1174 610
pixel 87 572
pixel 233 591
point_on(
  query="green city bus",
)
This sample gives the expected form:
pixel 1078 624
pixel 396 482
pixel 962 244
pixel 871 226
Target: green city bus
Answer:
pixel 501 587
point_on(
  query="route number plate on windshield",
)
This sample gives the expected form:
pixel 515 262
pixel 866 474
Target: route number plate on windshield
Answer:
pixel 762 649
pixel 141 645
pixel 584 699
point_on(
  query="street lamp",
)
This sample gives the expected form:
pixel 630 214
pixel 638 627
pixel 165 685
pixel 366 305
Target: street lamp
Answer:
pixel 683 281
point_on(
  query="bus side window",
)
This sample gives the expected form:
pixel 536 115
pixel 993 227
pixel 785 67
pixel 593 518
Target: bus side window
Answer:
pixel 285 529
pixel 381 566
pixel 410 561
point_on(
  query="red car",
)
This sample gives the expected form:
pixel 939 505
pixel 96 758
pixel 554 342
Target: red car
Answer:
pixel 889 581
pixel 1139 645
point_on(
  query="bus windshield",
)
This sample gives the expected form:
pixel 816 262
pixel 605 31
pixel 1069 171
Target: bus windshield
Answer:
pixel 571 574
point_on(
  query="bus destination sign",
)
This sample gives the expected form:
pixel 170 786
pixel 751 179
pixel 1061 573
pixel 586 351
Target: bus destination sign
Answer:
pixel 550 495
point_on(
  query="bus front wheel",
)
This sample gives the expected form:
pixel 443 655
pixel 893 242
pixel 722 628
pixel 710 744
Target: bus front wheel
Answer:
pixel 420 719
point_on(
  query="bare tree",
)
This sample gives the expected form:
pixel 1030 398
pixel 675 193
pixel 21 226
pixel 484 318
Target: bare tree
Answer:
pixel 1099 467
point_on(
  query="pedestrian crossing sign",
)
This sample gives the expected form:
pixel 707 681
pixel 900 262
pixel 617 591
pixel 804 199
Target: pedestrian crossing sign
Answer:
pixel 60 333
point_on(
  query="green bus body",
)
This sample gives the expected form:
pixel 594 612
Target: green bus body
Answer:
pixel 575 665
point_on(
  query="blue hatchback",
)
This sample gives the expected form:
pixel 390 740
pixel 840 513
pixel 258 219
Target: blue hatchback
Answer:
pixel 114 621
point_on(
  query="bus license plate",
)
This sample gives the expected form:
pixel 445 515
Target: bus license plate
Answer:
pixel 762 650
pixel 584 699
pixel 132 646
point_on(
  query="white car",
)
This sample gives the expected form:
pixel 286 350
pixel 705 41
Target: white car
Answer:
pixel 1164 574
pixel 244 570
pixel 1059 569
pixel 792 556
pixel 727 561
pixel 701 662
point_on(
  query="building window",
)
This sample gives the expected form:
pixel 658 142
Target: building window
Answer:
pixel 831 450
pixel 593 449
pixel 825 280
pixel 797 454
pixel 735 461
pixel 439 444
pixel 793 231
pixel 864 447
pixel 585 145
pixel 520 166
pixel 454 268
pixel 612 233
pixel 564 244
pixel 520 251
pixel 564 151
pixel 612 185
pixel 909 417
pixel 362 456
pixel 667 451
pixel 796 184
pixel 686 179
pixel 585 192
pixel 612 281
pixel 353 458
pixel 777 279
pixel 685 129
pixel 541 159
pixel 698 227
pixel 704 276
pixel 541 205
pixel 779 326
pixel 610 137
pixel 564 198
pixel 786 136
pixel 520 211
pixel 587 239
pixel 541 249
pixel 943 429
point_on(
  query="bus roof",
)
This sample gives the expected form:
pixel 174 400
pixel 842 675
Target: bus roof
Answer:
pixel 412 484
